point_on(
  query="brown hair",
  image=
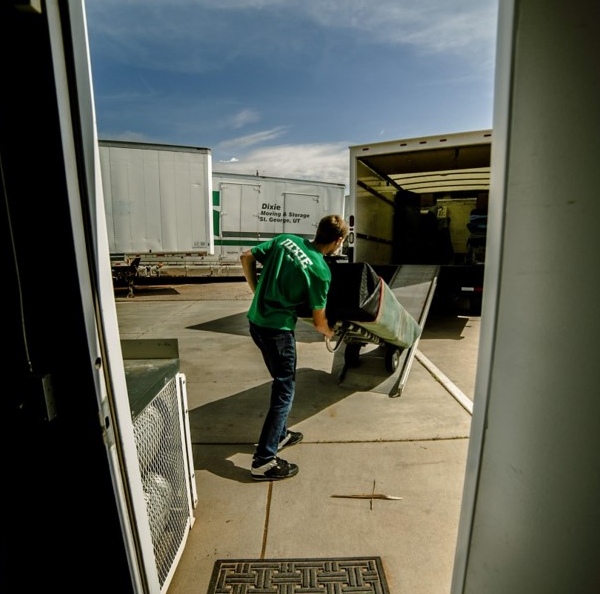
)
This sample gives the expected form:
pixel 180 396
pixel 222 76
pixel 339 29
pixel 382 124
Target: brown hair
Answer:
pixel 331 228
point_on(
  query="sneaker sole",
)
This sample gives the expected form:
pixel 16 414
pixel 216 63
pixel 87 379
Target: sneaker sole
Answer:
pixel 266 478
pixel 262 477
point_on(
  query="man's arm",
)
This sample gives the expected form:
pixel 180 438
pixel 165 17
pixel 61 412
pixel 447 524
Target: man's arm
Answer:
pixel 249 269
pixel 321 324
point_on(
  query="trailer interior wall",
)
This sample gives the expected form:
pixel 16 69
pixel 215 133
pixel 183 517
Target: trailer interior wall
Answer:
pixel 530 513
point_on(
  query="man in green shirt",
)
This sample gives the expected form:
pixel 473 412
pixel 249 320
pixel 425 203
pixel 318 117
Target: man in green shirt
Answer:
pixel 294 272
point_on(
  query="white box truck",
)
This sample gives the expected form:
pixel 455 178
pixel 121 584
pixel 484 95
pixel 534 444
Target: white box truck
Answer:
pixel 157 200
pixel 423 202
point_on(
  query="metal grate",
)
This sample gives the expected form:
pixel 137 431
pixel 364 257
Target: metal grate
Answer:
pixel 159 436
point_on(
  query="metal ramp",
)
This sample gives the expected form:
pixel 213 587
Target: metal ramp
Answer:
pixel 414 286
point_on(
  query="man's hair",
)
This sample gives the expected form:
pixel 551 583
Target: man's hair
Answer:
pixel 331 228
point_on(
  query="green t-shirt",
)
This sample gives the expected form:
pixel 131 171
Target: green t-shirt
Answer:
pixel 293 273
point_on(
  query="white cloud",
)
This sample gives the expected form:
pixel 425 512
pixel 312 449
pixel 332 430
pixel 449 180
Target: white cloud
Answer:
pixel 246 116
pixel 252 139
pixel 434 25
pixel 327 162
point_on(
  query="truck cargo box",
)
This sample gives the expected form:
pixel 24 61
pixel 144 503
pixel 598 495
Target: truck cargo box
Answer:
pixel 411 203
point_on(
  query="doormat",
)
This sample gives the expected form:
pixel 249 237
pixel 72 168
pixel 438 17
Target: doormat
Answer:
pixel 359 575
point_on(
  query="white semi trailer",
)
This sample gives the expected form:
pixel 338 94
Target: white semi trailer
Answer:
pixel 157 200
pixel 249 209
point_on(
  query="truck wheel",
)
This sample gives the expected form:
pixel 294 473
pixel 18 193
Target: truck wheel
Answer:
pixel 392 358
pixel 352 354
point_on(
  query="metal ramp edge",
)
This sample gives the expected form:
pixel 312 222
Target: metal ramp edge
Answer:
pixel 414 286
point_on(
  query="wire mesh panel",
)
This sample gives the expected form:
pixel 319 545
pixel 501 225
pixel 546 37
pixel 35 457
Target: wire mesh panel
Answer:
pixel 160 437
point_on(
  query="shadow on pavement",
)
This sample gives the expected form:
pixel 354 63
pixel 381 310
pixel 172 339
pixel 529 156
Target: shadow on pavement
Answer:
pixel 237 324
pixel 449 327
pixel 234 423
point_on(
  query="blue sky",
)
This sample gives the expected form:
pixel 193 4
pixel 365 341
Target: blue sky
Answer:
pixel 284 87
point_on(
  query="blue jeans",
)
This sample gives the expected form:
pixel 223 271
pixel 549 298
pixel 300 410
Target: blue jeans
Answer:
pixel 278 348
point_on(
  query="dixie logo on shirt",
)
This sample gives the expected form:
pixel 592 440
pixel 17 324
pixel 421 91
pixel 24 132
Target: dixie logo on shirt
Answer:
pixel 295 251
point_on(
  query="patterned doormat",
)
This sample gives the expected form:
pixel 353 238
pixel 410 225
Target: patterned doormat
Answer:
pixel 359 575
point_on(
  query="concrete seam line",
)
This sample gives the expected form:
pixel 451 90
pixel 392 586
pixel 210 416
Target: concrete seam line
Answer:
pixel 459 396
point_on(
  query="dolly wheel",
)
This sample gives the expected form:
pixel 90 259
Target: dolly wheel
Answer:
pixel 352 354
pixel 392 358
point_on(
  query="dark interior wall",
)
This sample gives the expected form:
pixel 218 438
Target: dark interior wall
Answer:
pixel 419 238
pixel 61 518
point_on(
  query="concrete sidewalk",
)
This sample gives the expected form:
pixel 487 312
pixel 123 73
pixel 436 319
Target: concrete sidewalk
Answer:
pixel 357 441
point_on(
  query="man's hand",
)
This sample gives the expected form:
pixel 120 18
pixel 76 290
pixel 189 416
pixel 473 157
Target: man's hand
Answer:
pixel 321 324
